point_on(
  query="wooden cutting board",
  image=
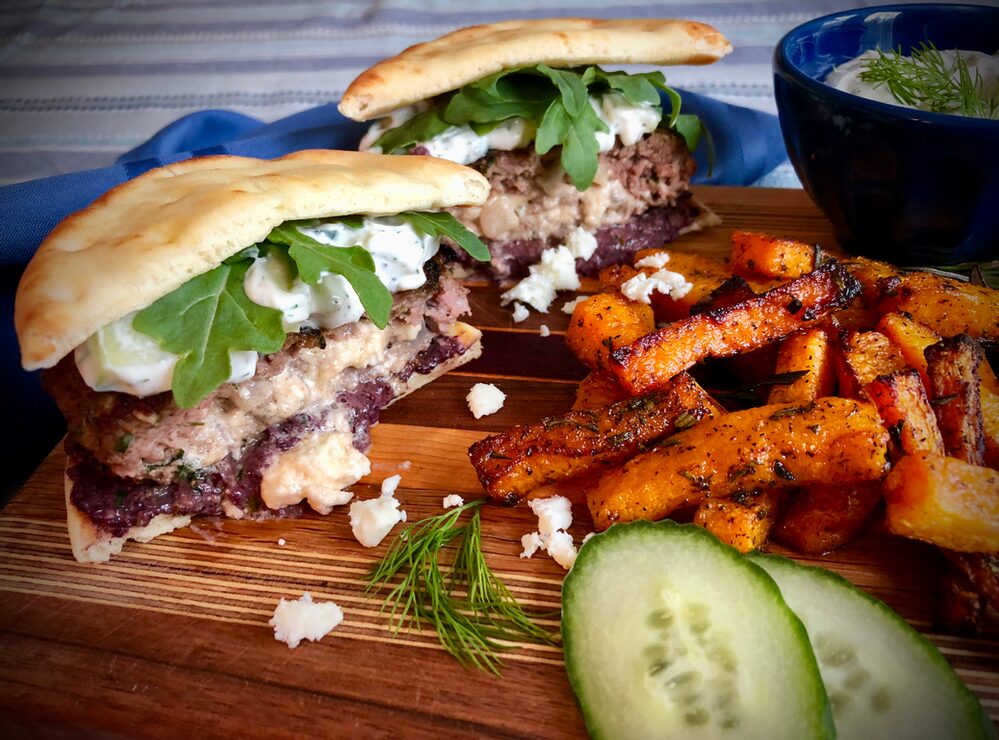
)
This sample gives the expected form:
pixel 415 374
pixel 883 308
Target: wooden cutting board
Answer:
pixel 171 637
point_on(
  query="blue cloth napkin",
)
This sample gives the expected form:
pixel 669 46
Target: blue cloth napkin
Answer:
pixel 747 145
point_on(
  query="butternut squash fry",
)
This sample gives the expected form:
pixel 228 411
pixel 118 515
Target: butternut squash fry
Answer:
pixel 597 390
pixel 761 255
pixel 990 423
pixel 605 321
pixel 949 306
pixel 704 273
pixel 742 520
pixel 944 501
pixel 907 414
pixel 863 356
pixel 912 338
pixel 512 464
pixel 649 362
pixel 952 365
pixel 824 516
pixel 810 352
pixel 831 440
pixel 875 278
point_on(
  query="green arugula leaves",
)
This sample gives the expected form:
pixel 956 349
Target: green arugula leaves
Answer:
pixel 202 321
pixel 210 315
pixel 557 100
pixel 444 224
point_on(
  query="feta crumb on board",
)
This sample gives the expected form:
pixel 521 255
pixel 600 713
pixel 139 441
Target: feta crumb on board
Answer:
pixel 544 331
pixel 641 287
pixel 304 619
pixel 452 500
pixel 581 243
pixel 281 541
pixel 484 399
pixel 554 518
pixel 654 261
pixel 390 484
pixel 570 306
pixel 520 312
pixel 372 519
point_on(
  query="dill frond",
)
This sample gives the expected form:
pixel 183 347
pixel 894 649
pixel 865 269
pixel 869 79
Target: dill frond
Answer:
pixel 927 81
pixel 471 609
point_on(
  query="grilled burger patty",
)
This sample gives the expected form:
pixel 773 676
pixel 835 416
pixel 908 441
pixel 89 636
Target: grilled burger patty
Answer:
pixel 133 458
pixel 533 205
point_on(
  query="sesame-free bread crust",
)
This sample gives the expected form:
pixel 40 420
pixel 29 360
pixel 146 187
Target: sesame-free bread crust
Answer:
pixel 150 235
pixel 469 54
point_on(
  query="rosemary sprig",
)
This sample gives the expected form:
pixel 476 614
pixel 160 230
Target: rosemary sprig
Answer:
pixel 470 608
pixel 926 80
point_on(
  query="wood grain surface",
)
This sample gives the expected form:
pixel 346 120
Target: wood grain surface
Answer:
pixel 171 637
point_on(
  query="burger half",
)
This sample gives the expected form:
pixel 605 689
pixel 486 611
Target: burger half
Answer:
pixel 221 333
pixel 575 155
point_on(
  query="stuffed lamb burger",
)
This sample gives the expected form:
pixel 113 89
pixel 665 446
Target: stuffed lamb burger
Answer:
pixel 221 333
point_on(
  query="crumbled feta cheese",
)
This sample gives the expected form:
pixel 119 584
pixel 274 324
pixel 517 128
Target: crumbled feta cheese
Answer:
pixel 553 513
pixel 556 271
pixel 304 619
pixel 544 331
pixel 281 541
pixel 654 261
pixel 453 500
pixel 581 243
pixel 390 484
pixel 554 517
pixel 641 287
pixel 531 542
pixel 561 549
pixel 520 312
pixel 405 465
pixel 485 399
pixel 570 306
pixel 372 519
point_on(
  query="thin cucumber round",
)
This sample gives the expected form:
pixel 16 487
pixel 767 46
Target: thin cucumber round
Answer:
pixel 884 679
pixel 669 633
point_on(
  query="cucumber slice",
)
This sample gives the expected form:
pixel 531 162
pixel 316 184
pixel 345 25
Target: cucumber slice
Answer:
pixel 884 679
pixel 669 633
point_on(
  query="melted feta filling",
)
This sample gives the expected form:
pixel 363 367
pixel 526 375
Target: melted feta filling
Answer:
pixel 119 358
pixel 463 145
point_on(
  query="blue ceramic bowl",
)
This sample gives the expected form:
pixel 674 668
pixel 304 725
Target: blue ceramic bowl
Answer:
pixel 897 184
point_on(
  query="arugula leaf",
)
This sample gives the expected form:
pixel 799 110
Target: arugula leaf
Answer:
pixel 580 148
pixel 570 86
pixel 636 88
pixel 488 102
pixel 421 127
pixel 355 264
pixel 444 224
pixel 202 321
pixel 553 129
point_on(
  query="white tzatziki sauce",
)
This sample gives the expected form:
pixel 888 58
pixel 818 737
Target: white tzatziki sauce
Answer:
pixel 847 76
pixel 461 144
pixel 119 358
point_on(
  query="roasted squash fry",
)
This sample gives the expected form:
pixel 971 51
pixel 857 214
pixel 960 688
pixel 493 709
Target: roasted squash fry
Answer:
pixel 824 516
pixel 907 413
pixel 729 293
pixel 949 306
pixel 912 338
pixel 807 352
pixel 760 255
pixel 597 390
pixel 863 356
pixel 952 365
pixel 605 321
pixel 990 422
pixel 511 464
pixel 704 273
pixel 742 520
pixel 831 439
pixel 944 501
pixel 874 277
pixel 652 360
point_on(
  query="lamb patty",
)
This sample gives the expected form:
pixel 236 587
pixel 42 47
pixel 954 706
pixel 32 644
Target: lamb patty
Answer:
pixel 317 373
pixel 533 205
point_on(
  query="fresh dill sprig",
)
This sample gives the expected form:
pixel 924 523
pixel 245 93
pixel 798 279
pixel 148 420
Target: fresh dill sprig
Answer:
pixel 470 608
pixel 926 80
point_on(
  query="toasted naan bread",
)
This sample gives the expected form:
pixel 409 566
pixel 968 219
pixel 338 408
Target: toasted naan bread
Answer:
pixel 469 54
